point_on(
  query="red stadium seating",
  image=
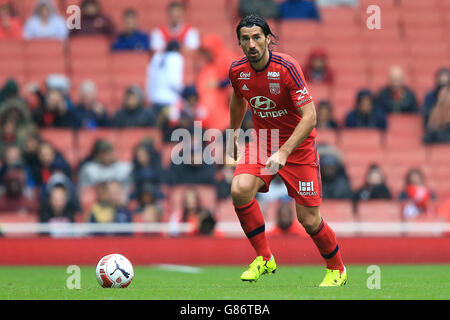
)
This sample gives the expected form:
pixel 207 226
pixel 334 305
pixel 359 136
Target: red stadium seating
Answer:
pixel 378 211
pixel 326 136
pixel 336 210
pixel 361 139
pixel 207 194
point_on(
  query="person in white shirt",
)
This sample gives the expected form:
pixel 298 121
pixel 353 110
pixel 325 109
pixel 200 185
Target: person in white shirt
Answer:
pixel 45 23
pixel 186 35
pixel 165 76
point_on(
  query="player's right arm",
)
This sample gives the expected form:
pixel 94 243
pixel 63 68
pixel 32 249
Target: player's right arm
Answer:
pixel 238 108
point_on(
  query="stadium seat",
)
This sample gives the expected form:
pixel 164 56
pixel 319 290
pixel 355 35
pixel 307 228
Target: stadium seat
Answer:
pixel 225 211
pixel 12 61
pixel 327 136
pixel 336 210
pixel 438 153
pixel 405 131
pixel 128 139
pixel 360 139
pixel 14 217
pixel 44 57
pixel 379 211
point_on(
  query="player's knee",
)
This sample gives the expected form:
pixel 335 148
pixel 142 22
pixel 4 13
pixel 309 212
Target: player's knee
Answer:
pixel 309 218
pixel 242 190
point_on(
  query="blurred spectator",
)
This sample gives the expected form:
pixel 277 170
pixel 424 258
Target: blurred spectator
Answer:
pixel 335 182
pixel 91 112
pixel 317 69
pixel 212 81
pixel 71 202
pixel 207 225
pixel 396 97
pixel 93 21
pixel 131 38
pixel 133 112
pixel 10 24
pixel 365 113
pixel 9 91
pixel 374 186
pixel 12 159
pixel 223 178
pixel 265 8
pixel 165 81
pixel 148 204
pixel 431 98
pixel 33 96
pixel 102 210
pixel 438 128
pixel 325 119
pixel 102 166
pixel 45 23
pixel 147 168
pixel 191 212
pixel 57 207
pixel 55 112
pixel 119 200
pixel 187 110
pixel 176 30
pixel 13 198
pixel 287 223
pixel 15 123
pixel 299 9
pixel 50 161
pixel 329 3
pixel 195 170
pixel 416 196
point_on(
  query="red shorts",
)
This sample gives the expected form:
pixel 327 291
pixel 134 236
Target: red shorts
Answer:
pixel 302 181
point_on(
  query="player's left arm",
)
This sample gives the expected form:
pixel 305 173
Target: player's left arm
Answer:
pixel 301 132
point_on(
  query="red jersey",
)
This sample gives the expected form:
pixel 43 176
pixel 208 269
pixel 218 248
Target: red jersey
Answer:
pixel 274 94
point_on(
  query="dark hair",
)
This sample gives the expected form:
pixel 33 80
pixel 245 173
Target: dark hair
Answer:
pixel 130 12
pixel 254 20
pixel 175 4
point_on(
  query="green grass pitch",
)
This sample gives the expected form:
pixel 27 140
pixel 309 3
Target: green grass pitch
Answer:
pixel 222 282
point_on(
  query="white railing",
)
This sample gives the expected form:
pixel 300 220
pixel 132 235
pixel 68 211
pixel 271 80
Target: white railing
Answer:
pixel 229 228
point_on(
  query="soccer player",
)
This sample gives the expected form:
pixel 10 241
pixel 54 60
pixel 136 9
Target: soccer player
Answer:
pixel 273 86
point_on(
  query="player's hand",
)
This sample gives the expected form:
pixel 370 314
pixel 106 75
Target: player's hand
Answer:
pixel 277 161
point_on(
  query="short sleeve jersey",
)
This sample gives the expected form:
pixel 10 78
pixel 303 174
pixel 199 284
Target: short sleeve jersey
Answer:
pixel 274 94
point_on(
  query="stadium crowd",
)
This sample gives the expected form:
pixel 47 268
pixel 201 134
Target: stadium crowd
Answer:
pixel 37 177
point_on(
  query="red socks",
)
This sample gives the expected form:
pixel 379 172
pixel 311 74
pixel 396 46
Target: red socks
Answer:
pixel 252 223
pixel 325 240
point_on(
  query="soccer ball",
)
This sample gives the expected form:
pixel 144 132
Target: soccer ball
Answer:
pixel 114 271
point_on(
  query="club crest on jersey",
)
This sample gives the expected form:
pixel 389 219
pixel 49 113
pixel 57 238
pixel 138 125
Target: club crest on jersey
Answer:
pixel 274 88
pixel 245 76
pixel 273 75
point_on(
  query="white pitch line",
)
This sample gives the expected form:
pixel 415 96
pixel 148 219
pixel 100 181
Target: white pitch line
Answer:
pixel 179 268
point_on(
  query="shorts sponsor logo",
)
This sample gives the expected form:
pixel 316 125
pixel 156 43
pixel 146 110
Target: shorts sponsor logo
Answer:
pixel 245 76
pixel 306 189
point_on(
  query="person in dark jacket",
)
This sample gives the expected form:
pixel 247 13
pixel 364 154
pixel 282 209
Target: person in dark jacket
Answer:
pixel 147 168
pixel 317 69
pixel 50 161
pixel 91 112
pixel 374 186
pixel 93 21
pixel 325 119
pixel 55 112
pixel 431 98
pixel 396 97
pixel 366 114
pixel 299 9
pixel 133 113
pixel 131 38
pixel 335 182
